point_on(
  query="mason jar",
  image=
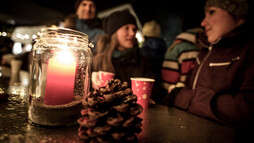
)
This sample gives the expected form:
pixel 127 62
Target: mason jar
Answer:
pixel 59 76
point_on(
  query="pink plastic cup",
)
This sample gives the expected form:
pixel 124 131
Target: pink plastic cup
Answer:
pixel 142 87
pixel 104 77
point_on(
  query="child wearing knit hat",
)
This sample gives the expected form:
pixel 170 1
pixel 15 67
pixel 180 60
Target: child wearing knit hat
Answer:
pixel 117 50
pixel 221 84
pixel 118 19
pixel 222 16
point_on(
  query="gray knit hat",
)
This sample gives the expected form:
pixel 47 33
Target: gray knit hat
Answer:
pixel 238 8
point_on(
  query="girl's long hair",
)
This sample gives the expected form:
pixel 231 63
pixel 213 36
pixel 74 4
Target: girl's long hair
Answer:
pixel 102 60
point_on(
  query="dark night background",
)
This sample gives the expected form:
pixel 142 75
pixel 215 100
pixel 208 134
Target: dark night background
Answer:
pixel 171 14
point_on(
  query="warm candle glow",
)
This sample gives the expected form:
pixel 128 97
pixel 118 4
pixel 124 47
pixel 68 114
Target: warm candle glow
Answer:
pixel 60 79
pixel 65 56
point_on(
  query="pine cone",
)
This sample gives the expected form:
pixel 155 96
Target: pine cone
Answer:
pixel 110 114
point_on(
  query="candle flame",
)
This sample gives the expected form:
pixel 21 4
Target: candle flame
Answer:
pixel 65 56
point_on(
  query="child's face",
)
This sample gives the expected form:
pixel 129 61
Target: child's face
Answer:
pixel 218 22
pixel 126 36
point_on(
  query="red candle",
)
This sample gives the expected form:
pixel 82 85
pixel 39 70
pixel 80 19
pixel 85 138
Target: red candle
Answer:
pixel 60 80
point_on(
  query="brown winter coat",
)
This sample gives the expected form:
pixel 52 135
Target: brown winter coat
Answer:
pixel 221 85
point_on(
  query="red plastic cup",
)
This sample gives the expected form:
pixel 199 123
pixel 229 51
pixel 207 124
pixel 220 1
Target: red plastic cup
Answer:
pixel 104 77
pixel 142 87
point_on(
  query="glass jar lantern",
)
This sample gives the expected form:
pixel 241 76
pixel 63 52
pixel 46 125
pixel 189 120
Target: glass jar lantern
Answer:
pixel 59 76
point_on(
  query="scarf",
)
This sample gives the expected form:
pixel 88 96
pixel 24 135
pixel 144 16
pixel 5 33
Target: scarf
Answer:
pixel 124 55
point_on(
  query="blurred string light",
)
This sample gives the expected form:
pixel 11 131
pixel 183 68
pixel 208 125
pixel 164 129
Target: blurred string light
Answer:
pixel 23 37
pixel 5 34
pixel 17 48
pixel 26 34
pixel 28 47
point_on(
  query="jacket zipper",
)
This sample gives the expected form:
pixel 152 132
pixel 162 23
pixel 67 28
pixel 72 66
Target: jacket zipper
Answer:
pixel 219 64
pixel 225 63
pixel 200 67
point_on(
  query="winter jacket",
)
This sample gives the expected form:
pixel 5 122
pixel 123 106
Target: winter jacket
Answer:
pixel 91 27
pixel 221 85
pixel 132 65
pixel 179 60
pixel 154 48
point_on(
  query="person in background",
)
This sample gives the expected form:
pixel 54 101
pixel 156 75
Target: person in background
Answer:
pixel 179 59
pixel 154 48
pixel 117 50
pixel 221 84
pixel 70 22
pixel 85 20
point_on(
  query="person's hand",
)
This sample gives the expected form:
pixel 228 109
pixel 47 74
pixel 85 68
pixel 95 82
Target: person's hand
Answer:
pixel 179 84
pixel 171 87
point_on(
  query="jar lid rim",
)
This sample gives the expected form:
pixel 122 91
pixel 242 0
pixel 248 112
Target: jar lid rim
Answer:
pixel 61 30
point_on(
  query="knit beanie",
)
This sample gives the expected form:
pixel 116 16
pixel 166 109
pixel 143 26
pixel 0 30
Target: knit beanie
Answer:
pixel 116 20
pixel 79 1
pixel 151 29
pixel 238 8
